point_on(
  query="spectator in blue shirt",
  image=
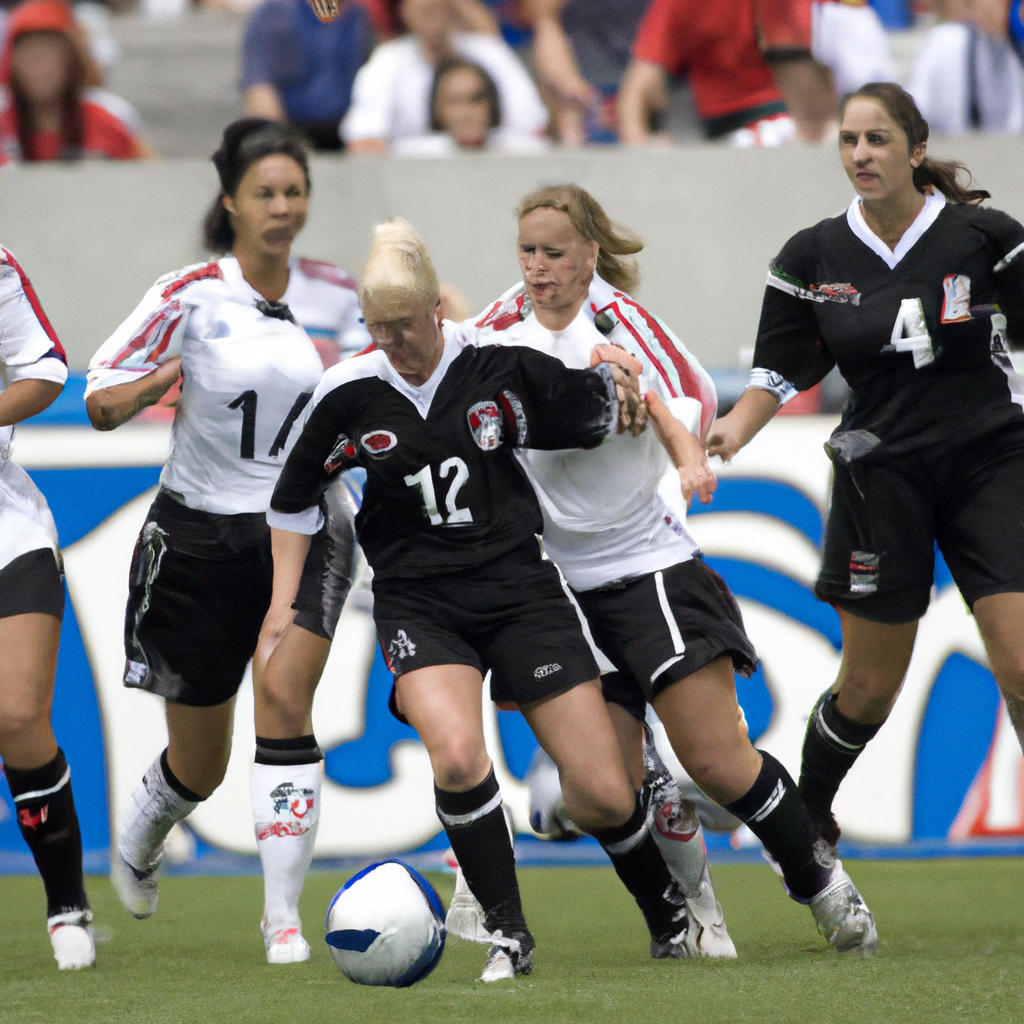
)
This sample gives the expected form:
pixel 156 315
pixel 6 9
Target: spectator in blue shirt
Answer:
pixel 296 68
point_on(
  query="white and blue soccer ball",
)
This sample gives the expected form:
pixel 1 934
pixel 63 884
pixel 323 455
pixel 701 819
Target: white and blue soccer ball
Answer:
pixel 385 926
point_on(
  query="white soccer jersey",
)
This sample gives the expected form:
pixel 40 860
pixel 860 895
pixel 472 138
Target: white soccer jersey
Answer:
pixel 603 517
pixel 323 299
pixel 29 349
pixel 247 376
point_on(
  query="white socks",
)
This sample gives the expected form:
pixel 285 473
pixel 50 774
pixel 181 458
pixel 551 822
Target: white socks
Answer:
pixel 286 810
pixel 154 807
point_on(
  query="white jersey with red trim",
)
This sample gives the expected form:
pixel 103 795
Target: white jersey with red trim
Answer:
pixel 603 518
pixel 247 373
pixel 29 350
pixel 323 299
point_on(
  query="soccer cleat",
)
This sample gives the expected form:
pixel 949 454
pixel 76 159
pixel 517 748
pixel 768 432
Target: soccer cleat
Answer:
pixel 509 957
pixel 673 947
pixel 71 937
pixel 707 935
pixel 135 889
pixel 843 917
pixel 284 945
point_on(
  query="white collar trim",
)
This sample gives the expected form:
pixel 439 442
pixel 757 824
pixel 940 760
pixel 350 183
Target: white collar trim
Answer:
pixel 933 205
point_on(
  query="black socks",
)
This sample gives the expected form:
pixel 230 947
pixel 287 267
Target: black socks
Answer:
pixel 475 825
pixel 47 819
pixel 642 869
pixel 831 745
pixel 300 750
pixel 774 812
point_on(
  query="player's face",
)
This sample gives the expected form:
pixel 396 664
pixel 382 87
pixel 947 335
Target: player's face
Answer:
pixel 269 206
pixel 875 151
pixel 557 263
pixel 40 65
pixel 405 330
pixel 462 107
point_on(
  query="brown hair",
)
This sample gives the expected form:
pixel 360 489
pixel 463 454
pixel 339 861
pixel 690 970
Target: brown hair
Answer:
pixel 72 129
pixel 447 67
pixel 943 175
pixel 590 220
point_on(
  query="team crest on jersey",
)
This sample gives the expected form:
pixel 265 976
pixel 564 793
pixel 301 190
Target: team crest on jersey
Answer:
pixel 956 298
pixel 502 316
pixel 344 451
pixel 378 442
pixel 485 424
pixel 836 293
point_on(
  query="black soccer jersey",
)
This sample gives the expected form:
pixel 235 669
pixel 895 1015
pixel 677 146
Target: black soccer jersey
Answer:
pixel 444 491
pixel 920 334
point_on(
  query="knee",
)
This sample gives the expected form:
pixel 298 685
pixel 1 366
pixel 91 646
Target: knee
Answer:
pixel 596 804
pixel 20 719
pixel 460 764
pixel 1008 668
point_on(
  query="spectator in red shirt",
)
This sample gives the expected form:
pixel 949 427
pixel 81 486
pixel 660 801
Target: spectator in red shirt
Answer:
pixel 716 46
pixel 45 114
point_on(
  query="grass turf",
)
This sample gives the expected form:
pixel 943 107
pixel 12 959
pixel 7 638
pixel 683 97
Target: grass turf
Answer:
pixel 951 948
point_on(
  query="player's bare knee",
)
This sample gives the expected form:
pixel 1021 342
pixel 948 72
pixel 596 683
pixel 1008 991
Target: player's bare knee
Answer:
pixel 459 765
pixel 597 807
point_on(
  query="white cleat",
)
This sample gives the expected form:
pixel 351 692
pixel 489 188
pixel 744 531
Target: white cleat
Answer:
pixel 842 916
pixel 507 958
pixel 499 966
pixel 284 945
pixel 72 940
pixel 707 935
pixel 138 892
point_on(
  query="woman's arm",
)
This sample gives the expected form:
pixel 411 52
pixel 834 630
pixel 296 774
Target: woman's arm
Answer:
pixel 684 449
pixel 737 428
pixel 110 407
pixel 26 397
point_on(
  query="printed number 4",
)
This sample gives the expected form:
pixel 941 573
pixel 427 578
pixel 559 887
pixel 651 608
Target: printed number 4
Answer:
pixel 247 402
pixel 425 482
pixel 910 333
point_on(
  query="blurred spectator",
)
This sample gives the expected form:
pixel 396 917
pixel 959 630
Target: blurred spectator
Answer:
pixel 391 96
pixel 581 50
pixel 819 50
pixel 465 115
pixel 49 110
pixel 968 75
pixel 716 46
pixel 297 68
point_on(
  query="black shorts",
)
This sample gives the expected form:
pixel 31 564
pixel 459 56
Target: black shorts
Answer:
pixel 32 583
pixel 885 519
pixel 510 617
pixel 659 628
pixel 327 572
pixel 199 590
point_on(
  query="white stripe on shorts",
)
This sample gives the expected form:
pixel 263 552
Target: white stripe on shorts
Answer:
pixel 673 627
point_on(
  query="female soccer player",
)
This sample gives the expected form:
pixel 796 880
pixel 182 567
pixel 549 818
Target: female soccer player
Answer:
pixel 202 573
pixel 665 620
pixel 448 524
pixel 913 293
pixel 33 370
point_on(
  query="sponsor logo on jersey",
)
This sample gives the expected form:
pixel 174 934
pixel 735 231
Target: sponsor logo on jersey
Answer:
pixel 485 424
pixel 343 451
pixel 26 819
pixel 863 572
pixel 956 298
pixel 836 293
pixel 378 442
pixel 546 670
pixel 515 417
pixel 401 646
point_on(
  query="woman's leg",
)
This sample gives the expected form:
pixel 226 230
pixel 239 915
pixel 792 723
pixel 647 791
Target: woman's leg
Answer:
pixel 875 660
pixel 444 704
pixel 188 770
pixel 286 783
pixel 701 717
pixel 1000 619
pixel 577 732
pixel 40 780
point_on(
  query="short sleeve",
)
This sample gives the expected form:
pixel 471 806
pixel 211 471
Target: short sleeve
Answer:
pixel 789 343
pixel 662 37
pixel 29 347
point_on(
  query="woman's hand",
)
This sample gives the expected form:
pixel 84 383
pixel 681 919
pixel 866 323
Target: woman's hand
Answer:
pixel 685 450
pixel 108 408
pixel 736 429
pixel 626 372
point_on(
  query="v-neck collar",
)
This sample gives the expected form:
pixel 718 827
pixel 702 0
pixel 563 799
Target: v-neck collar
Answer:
pixel 422 396
pixel 933 205
pixel 232 271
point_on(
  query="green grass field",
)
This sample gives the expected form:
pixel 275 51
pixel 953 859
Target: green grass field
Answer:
pixel 951 948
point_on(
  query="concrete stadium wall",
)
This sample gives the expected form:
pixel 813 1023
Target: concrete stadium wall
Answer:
pixel 93 237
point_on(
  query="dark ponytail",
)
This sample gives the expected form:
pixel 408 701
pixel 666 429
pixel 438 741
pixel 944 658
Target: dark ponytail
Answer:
pixel 245 142
pixel 943 175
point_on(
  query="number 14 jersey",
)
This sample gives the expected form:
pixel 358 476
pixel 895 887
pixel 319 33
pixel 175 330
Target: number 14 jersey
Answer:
pixel 247 373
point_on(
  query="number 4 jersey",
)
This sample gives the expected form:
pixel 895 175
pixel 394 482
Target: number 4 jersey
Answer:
pixel 444 491
pixel 920 333
pixel 248 372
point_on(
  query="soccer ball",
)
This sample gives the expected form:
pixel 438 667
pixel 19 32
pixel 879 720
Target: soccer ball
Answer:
pixel 385 926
